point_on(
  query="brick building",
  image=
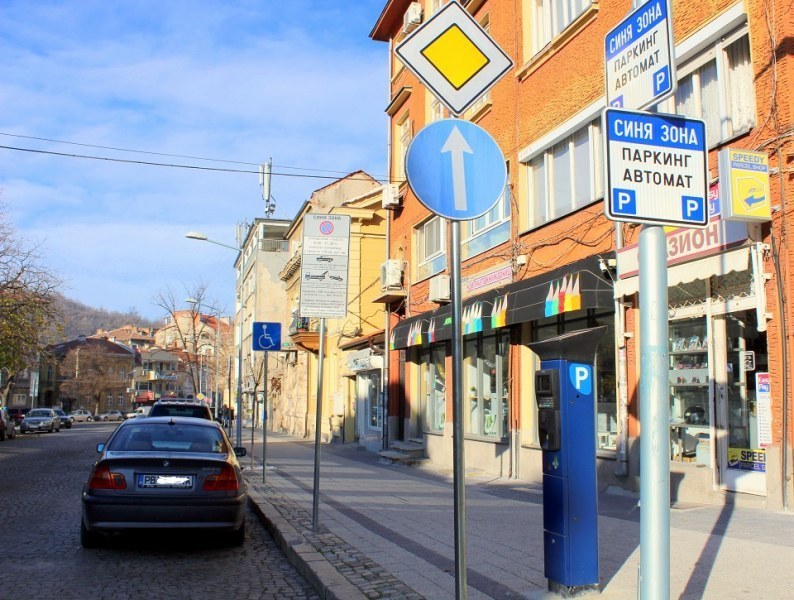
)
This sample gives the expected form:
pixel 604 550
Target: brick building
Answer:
pixel 548 238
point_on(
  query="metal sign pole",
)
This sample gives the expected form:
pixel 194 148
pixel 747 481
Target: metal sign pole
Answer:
pixel 317 426
pixel 654 574
pixel 264 423
pixel 459 470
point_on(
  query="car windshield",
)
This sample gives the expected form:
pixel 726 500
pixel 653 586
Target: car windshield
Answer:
pixel 168 437
pixel 39 413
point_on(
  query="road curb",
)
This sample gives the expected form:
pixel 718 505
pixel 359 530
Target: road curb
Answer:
pixel 329 583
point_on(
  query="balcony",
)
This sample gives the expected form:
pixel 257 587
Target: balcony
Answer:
pixel 304 335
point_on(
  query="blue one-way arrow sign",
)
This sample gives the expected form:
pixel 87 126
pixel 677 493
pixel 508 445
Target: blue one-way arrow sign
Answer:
pixel 456 169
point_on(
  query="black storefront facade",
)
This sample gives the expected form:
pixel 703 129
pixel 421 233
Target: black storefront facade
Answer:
pixel 499 409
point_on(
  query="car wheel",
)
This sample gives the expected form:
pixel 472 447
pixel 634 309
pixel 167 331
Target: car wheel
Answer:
pixel 89 419
pixel 237 537
pixel 51 429
pixel 89 539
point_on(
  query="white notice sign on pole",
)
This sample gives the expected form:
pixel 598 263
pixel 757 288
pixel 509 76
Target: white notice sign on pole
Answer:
pixel 324 261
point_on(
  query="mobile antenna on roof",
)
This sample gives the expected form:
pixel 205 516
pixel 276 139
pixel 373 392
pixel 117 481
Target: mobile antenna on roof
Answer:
pixel 264 182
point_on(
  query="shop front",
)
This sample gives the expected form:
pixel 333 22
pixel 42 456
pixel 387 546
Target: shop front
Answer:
pixel 719 375
pixel 496 325
pixel 367 367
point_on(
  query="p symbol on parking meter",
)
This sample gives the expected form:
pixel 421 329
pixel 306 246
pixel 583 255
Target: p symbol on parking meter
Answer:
pixel 581 378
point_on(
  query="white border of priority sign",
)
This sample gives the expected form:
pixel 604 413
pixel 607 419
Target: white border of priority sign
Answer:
pixel 656 168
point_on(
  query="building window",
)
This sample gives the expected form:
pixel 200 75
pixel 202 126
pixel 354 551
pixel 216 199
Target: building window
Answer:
pixel 404 135
pixel 431 255
pixel 717 87
pixel 110 400
pixel 485 383
pixel 565 176
pixel 122 373
pixel 121 399
pixel 551 17
pixel 605 392
pixel 436 111
pixel 433 387
pixel 485 99
pixel 489 230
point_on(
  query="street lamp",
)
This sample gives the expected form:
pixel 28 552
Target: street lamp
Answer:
pixel 195 235
pixel 217 337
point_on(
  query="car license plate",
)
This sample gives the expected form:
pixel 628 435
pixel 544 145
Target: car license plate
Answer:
pixel 165 481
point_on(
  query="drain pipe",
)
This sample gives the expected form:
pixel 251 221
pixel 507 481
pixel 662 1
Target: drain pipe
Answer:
pixel 622 373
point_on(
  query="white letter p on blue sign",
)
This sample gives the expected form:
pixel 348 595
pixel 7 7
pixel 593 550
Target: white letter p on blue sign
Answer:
pixel 581 377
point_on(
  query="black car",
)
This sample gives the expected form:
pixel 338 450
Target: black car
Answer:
pixel 66 420
pixel 165 473
pixel 181 407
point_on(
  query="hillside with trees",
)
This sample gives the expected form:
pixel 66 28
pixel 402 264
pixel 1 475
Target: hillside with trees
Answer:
pixel 77 319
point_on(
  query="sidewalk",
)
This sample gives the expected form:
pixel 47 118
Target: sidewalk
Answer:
pixel 386 531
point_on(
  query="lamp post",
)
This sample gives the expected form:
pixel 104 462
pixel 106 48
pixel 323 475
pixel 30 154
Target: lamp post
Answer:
pixel 195 235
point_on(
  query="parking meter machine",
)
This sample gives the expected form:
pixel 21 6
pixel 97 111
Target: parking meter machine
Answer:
pixel 564 392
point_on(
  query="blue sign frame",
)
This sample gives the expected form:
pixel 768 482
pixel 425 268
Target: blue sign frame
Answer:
pixel 266 337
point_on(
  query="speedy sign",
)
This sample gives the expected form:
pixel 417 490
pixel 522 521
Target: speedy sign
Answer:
pixel 640 69
pixel 657 169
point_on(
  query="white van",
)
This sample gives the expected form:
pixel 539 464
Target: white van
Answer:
pixel 141 411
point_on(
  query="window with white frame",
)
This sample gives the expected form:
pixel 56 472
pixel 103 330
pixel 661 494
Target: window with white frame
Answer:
pixel 433 387
pixel 486 372
pixel 489 230
pixel 717 86
pixel 486 97
pixel 110 399
pixel 430 238
pixel 436 112
pixel 121 399
pixel 435 6
pixel 565 176
pixel 550 18
pixel 404 134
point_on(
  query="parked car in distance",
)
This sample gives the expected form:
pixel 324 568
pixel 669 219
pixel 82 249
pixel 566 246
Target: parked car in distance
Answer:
pixel 7 425
pixel 111 415
pixel 40 419
pixel 17 414
pixel 181 407
pixel 66 420
pixel 141 411
pixel 165 472
pixel 81 415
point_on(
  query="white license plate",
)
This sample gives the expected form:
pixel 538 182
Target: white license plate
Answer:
pixel 165 481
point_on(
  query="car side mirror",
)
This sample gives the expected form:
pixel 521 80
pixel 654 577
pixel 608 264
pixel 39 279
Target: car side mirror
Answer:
pixel 100 446
pixel 240 451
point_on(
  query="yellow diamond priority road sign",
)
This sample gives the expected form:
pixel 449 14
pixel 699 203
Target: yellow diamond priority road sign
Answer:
pixel 454 57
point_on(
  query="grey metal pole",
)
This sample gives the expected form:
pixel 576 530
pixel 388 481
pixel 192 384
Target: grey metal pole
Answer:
pixel 459 469
pixel 317 427
pixel 654 573
pixel 264 423
pixel 240 389
pixel 217 362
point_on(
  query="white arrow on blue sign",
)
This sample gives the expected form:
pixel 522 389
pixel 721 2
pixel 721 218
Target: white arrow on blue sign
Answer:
pixel 266 337
pixel 456 169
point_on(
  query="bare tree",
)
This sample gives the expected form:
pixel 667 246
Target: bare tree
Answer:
pixel 27 291
pixel 188 325
pixel 90 371
pixel 255 373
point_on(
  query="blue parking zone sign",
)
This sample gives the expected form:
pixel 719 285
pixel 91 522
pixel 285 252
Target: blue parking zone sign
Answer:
pixel 266 337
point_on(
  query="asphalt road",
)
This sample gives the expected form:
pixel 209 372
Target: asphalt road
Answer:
pixel 41 478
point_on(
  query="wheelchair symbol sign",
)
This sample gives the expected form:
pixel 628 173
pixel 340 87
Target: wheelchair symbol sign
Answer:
pixel 266 337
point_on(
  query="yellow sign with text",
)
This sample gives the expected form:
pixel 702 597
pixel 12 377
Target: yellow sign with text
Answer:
pixel 744 185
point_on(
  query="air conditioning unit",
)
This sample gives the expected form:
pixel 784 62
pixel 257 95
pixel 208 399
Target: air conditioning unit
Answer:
pixel 391 275
pixel 412 17
pixel 439 289
pixel 391 196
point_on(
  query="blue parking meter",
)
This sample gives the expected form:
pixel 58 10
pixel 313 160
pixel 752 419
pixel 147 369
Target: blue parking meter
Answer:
pixel 564 391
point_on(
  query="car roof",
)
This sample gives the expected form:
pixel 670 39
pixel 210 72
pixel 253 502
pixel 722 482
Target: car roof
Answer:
pixel 168 419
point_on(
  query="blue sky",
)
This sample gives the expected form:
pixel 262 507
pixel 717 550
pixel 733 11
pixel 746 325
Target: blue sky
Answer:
pixel 298 81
